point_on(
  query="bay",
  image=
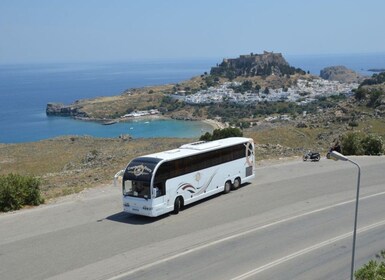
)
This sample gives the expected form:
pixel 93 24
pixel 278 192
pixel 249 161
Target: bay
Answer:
pixel 26 89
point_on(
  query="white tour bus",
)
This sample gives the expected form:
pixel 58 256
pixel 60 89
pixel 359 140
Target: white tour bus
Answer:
pixel 163 182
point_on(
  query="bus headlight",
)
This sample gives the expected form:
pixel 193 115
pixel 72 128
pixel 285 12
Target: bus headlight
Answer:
pixel 126 204
pixel 147 208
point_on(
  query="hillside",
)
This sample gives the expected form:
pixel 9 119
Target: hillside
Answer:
pixel 70 164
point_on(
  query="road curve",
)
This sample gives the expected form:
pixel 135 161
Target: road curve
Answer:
pixel 294 221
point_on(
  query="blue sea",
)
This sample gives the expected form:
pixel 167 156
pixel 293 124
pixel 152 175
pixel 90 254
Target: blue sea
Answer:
pixel 26 89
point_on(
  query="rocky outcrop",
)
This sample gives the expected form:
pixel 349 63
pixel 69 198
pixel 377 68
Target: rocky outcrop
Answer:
pixel 341 74
pixel 265 64
pixel 59 109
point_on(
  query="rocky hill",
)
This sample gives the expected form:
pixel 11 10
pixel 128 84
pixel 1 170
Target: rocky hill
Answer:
pixel 341 74
pixel 265 64
pixel 59 109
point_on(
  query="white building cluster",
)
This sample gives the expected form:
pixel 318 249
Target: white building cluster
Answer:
pixel 137 114
pixel 304 91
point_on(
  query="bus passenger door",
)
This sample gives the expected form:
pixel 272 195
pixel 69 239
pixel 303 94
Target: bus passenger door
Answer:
pixel 159 194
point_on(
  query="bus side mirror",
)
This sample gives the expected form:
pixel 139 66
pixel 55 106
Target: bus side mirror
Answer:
pixel 117 176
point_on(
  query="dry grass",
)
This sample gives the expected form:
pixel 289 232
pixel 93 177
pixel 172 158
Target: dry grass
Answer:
pixel 376 126
pixel 70 164
pixel 290 136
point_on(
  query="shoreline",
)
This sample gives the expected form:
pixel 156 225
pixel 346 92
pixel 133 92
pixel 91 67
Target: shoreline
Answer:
pixel 215 124
pixel 207 125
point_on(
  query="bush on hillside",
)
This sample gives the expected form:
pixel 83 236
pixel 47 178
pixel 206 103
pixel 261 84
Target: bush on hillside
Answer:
pixel 351 144
pixel 374 80
pixel 221 133
pixel 372 145
pixel 354 143
pixel 17 191
pixel 367 91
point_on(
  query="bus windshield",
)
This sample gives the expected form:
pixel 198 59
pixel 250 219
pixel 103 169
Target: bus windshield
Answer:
pixel 136 188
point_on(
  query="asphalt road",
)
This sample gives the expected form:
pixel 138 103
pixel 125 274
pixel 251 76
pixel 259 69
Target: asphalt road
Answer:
pixel 294 221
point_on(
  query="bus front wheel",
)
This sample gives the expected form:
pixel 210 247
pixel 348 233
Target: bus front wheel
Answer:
pixel 237 183
pixel 227 187
pixel 178 204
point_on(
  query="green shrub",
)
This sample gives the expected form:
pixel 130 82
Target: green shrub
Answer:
pixel 355 143
pixel 374 270
pixel 221 133
pixel 17 191
pixel 351 144
pixel 372 145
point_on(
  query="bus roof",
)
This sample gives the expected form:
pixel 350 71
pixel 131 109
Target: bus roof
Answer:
pixel 198 147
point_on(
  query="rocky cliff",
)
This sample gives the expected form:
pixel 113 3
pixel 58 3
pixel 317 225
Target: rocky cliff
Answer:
pixel 341 74
pixel 59 109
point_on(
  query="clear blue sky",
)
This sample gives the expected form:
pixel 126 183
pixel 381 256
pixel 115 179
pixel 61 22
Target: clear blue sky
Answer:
pixel 121 30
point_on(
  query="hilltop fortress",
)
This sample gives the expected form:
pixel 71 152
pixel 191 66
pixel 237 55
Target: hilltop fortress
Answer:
pixel 268 63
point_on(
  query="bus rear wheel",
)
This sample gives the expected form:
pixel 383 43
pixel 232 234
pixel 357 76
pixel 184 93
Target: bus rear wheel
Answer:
pixel 178 204
pixel 237 183
pixel 227 187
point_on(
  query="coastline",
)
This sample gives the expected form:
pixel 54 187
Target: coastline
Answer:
pixel 215 124
pixel 144 117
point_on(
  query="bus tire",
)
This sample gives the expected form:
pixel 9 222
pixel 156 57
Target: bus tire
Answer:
pixel 227 187
pixel 237 183
pixel 178 204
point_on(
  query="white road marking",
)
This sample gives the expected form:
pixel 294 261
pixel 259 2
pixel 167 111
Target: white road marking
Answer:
pixel 260 269
pixel 305 251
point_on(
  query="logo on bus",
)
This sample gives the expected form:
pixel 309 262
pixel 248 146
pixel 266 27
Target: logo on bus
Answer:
pixel 139 170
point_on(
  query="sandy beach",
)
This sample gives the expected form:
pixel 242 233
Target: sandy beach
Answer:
pixel 215 124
